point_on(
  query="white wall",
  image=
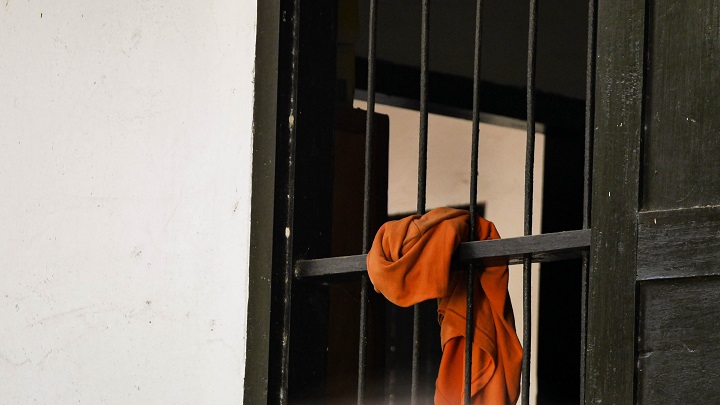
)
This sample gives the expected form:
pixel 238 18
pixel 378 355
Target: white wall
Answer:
pixel 125 152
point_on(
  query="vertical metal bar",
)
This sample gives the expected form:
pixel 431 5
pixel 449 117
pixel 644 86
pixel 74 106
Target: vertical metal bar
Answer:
pixel 290 211
pixel 369 129
pixel 422 152
pixel 589 108
pixel 583 323
pixel 362 350
pixel 470 317
pixel 589 129
pixel 529 168
pixel 422 181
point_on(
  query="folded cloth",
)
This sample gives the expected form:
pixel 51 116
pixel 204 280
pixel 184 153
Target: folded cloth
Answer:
pixel 409 262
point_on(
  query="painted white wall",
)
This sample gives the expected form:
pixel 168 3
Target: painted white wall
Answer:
pixel 501 183
pixel 125 155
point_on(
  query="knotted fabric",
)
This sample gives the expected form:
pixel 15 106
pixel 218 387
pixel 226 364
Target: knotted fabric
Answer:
pixel 410 262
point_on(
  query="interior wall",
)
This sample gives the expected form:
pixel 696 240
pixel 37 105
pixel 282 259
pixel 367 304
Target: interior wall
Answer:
pixel 561 40
pixel 501 182
pixel 125 151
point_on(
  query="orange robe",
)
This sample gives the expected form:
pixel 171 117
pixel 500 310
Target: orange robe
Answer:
pixel 409 262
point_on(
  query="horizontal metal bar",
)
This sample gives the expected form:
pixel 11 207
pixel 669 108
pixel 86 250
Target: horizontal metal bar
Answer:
pixel 542 248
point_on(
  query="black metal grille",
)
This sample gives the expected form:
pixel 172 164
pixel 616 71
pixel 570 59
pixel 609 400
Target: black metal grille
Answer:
pixel 526 250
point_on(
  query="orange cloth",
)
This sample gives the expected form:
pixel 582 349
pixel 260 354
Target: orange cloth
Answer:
pixel 409 262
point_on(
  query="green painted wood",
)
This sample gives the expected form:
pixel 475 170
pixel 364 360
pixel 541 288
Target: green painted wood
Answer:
pixel 682 146
pixel 679 229
pixel 615 196
pixel 311 227
pixel 679 332
pixel 679 243
pixel 263 183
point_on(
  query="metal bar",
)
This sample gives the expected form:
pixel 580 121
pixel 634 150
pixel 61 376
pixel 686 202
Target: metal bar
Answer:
pixel 542 249
pixel 369 128
pixel 422 147
pixel 422 180
pixel 369 123
pixel 583 322
pixel 527 324
pixel 362 359
pixel 589 125
pixel 290 211
pixel 524 245
pixel 469 319
pixel 529 166
pixel 415 377
pixel 589 108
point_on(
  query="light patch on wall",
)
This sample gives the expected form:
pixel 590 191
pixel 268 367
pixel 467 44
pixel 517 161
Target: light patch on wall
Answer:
pixel 501 180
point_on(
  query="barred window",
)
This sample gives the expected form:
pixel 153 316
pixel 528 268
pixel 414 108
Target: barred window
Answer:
pixel 391 108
